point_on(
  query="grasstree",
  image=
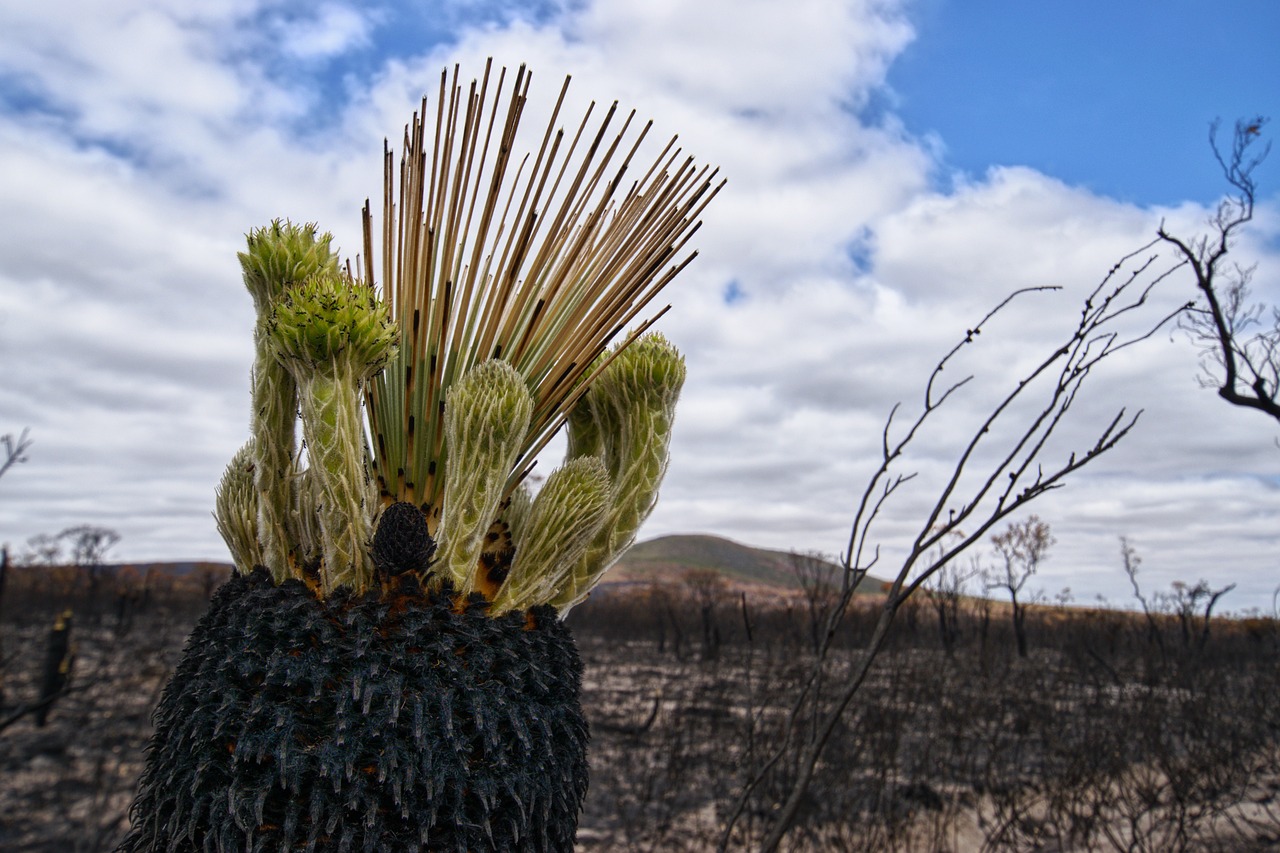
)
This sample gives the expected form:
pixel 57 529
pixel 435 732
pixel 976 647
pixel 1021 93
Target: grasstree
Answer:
pixel 388 669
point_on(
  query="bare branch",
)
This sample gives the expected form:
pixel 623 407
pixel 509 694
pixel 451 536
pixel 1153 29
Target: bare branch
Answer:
pixel 1240 363
pixel 15 450
pixel 981 490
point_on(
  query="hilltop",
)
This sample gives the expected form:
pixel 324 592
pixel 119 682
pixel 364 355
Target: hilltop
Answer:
pixel 668 558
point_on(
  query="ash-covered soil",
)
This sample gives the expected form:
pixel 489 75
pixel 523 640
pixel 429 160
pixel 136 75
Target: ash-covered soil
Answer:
pixel 1106 737
pixel 67 784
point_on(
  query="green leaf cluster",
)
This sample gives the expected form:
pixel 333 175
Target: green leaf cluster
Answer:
pixel 504 292
pixel 320 336
pixel 588 511
pixel 328 335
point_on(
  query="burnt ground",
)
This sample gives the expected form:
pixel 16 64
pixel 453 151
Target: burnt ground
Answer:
pixel 1108 736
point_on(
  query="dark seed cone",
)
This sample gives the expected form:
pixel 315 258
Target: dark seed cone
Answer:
pixel 365 724
pixel 402 543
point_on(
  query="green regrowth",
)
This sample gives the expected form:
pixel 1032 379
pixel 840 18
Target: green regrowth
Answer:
pixel 236 510
pixel 583 430
pixel 283 254
pixel 517 510
pixel 625 419
pixel 279 256
pixel 486 416
pixel 333 334
pixel 308 498
pixel 560 525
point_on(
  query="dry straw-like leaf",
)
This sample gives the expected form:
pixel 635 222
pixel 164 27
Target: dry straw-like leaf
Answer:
pixel 540 263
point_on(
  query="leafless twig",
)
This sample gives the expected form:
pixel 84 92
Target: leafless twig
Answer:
pixel 1000 469
pixel 15 450
pixel 1242 364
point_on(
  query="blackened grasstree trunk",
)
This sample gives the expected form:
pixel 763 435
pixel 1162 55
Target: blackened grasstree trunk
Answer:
pixel 388 669
pixel 383 722
pixel 58 660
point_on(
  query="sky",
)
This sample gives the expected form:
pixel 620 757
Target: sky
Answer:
pixel 895 168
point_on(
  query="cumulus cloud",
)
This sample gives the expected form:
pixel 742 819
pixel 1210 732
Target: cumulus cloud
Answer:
pixel 141 141
pixel 331 30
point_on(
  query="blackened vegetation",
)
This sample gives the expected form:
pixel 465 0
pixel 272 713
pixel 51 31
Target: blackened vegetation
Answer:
pixel 378 723
pixel 58 661
pixel 1115 733
pixel 1239 339
pixel 1101 738
pixel 66 787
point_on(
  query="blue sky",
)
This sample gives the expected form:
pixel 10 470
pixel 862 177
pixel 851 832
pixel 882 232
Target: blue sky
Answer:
pixel 1112 96
pixel 895 168
pixel 1115 97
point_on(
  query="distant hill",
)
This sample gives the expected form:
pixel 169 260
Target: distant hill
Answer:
pixel 176 567
pixel 667 558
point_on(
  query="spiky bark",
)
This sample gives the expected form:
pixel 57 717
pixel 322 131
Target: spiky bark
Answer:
pixel 384 722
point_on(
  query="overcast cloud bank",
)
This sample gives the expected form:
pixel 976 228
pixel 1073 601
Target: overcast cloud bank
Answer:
pixel 141 140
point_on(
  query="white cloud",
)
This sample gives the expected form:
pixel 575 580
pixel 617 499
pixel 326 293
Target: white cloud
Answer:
pixel 116 72
pixel 156 136
pixel 749 58
pixel 332 31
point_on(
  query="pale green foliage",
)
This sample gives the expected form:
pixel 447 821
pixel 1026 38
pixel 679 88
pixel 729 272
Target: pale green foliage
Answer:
pixel 309 497
pixel 333 334
pixel 516 513
pixel 331 318
pixel 562 521
pixel 275 407
pixel 486 417
pixel 236 510
pixel 583 432
pixel 283 254
pixel 321 341
pixel 278 256
pixel 589 510
pixel 625 419
pixel 321 336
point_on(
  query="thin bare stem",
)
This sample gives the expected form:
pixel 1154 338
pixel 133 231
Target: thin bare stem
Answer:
pixel 1242 365
pixel 981 490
